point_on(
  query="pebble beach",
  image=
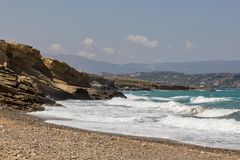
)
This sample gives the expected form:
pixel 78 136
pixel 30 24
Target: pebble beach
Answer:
pixel 26 137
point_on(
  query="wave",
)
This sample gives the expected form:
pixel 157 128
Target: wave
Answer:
pixel 224 125
pixel 173 107
pixel 164 117
pixel 196 110
pixel 215 113
pixel 133 97
pixel 169 106
pixel 201 99
pixel 178 108
pixel 167 114
pixel 180 97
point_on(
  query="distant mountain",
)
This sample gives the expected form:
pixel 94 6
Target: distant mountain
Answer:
pixel 93 66
pixel 88 65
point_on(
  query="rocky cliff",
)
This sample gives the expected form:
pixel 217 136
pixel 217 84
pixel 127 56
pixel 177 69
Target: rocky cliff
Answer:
pixel 29 80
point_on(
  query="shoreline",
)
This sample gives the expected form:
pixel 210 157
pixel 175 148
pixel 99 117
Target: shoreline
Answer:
pixel 154 140
pixel 158 145
pixel 141 138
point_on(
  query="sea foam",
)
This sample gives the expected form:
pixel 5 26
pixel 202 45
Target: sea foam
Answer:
pixel 160 117
pixel 201 99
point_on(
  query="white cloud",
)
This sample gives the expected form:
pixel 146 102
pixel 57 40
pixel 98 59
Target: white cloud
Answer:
pixel 189 45
pixel 55 47
pixel 143 40
pixel 86 54
pixel 109 50
pixel 88 43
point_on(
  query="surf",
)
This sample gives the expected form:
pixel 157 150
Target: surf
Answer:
pixel 191 117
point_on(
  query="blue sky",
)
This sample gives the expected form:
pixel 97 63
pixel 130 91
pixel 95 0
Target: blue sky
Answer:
pixel 125 31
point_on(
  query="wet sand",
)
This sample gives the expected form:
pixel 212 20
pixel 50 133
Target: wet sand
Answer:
pixel 26 137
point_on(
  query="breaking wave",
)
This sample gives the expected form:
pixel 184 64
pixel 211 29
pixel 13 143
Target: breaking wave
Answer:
pixel 152 116
pixel 201 99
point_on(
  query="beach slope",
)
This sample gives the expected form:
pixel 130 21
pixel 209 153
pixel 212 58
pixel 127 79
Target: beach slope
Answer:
pixel 26 137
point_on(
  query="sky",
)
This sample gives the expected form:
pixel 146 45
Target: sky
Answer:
pixel 126 31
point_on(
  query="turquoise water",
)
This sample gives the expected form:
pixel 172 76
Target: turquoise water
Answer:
pixel 206 118
pixel 232 94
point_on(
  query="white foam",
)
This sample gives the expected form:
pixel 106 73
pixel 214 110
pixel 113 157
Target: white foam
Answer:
pixel 169 107
pixel 133 97
pixel 208 113
pixel 178 108
pixel 204 138
pixel 164 99
pixel 223 125
pixel 201 99
pixel 131 103
pixel 143 116
pixel 180 97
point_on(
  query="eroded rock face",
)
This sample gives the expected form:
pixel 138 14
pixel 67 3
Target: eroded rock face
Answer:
pixel 20 92
pixel 62 71
pixel 29 80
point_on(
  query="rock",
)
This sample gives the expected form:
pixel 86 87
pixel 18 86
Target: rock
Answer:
pixel 62 71
pixel 119 94
pixel 30 80
pixel 133 84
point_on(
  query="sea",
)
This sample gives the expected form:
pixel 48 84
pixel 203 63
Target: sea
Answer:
pixel 200 117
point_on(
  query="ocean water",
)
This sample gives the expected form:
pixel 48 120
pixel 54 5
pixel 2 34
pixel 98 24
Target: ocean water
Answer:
pixel 206 118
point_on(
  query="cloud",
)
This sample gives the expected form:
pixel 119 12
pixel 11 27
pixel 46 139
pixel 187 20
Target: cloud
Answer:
pixel 88 43
pixel 86 54
pixel 109 50
pixel 55 47
pixel 143 40
pixel 189 45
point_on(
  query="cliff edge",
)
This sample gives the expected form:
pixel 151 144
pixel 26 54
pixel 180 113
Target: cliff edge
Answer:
pixel 29 80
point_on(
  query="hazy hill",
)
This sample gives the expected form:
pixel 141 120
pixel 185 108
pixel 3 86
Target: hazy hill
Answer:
pixel 213 80
pixel 93 66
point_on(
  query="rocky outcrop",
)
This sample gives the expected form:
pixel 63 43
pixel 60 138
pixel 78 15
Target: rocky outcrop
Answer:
pixel 133 84
pixel 20 92
pixel 29 80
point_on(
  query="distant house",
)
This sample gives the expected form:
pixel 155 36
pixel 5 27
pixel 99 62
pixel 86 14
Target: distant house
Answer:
pixel 202 85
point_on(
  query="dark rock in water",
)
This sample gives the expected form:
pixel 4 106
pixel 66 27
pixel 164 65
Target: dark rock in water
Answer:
pixel 29 80
pixel 119 94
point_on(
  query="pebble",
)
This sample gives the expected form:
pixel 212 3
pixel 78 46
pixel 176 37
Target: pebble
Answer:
pixel 44 141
